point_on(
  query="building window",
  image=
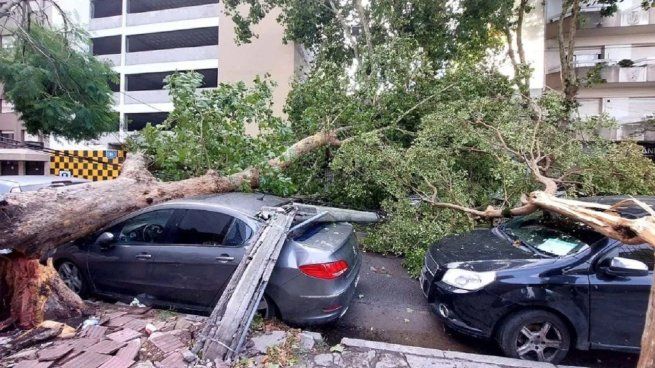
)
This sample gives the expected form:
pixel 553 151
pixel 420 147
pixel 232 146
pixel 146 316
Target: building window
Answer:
pixel 138 121
pixel 7 134
pixel 106 45
pixel 6 106
pixel 155 81
pixel 140 6
pixel 173 39
pixel 106 8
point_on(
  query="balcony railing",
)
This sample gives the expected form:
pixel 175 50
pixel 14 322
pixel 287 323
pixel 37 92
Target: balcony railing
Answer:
pixel 591 19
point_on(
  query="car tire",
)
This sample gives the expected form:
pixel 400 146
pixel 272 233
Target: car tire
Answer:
pixel 267 308
pixel 73 277
pixel 535 335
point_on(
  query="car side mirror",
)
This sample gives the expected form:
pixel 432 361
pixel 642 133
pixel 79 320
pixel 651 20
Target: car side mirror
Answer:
pixel 627 267
pixel 105 240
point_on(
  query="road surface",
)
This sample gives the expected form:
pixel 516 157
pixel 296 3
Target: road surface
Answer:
pixel 390 307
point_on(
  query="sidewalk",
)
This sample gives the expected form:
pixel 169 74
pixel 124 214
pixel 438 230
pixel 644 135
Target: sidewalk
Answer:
pixel 296 349
pixel 121 336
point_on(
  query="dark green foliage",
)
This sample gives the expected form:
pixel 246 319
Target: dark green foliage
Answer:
pixel 56 87
pixel 625 63
pixel 207 131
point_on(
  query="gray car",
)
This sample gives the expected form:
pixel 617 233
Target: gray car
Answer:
pixel 30 183
pixel 182 253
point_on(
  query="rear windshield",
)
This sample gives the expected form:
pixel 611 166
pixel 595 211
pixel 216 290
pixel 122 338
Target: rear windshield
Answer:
pixel 5 188
pixel 551 234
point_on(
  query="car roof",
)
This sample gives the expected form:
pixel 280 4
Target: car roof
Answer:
pixel 37 179
pixel 246 203
pixel 631 211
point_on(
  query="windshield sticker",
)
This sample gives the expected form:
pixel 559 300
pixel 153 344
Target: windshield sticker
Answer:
pixel 557 246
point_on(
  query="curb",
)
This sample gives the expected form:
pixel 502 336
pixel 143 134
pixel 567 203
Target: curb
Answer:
pixel 435 353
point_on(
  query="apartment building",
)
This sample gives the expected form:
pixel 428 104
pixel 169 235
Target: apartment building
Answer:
pixel 624 44
pixel 147 40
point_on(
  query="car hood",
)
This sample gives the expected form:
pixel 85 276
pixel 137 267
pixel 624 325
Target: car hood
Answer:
pixel 499 264
pixel 477 245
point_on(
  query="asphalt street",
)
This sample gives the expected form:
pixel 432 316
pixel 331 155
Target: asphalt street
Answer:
pixel 390 307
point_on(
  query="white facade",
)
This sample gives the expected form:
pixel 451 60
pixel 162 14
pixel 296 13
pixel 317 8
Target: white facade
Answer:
pixel 625 46
pixel 146 40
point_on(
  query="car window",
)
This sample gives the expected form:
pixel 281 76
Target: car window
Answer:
pixel 551 234
pixel 643 253
pixel 149 227
pixel 238 234
pixel 202 228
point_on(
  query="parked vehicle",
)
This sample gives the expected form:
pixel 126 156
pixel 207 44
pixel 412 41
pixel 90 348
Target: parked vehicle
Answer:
pixel 182 253
pixel 541 285
pixel 30 183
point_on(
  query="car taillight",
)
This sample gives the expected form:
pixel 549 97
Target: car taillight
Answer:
pixel 326 271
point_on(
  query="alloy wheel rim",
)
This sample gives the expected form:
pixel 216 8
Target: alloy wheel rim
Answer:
pixel 70 274
pixel 539 341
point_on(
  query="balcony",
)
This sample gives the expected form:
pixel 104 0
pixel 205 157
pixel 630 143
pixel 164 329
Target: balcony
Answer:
pixel 96 24
pixel 147 97
pixel 641 74
pixel 113 59
pixel 172 55
pixel 172 15
pixel 592 24
pixel 635 74
pixel 634 116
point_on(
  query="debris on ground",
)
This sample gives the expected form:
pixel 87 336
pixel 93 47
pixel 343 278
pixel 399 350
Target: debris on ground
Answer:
pixel 117 336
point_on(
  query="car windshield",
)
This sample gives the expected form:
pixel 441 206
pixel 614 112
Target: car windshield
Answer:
pixel 550 234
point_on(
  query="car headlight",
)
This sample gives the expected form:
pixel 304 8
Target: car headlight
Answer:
pixel 468 280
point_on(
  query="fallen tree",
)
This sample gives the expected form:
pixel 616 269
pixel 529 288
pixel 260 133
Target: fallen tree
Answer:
pixel 34 222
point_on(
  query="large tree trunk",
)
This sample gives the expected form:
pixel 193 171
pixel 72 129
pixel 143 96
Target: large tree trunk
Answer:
pixel 34 222
pixel 32 293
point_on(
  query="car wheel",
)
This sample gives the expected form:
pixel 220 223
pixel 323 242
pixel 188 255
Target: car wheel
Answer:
pixel 72 277
pixel 535 335
pixel 266 308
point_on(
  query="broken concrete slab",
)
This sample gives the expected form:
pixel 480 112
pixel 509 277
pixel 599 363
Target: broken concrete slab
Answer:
pixel 106 347
pixel 94 331
pixel 54 352
pixel 323 360
pixel 173 360
pixel 166 342
pixel 131 350
pixel 124 335
pixel 87 359
pixel 263 342
pixel 118 362
pixel 33 364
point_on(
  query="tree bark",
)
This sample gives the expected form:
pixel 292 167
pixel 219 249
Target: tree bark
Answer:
pixel 34 222
pixel 32 293
pixel 566 43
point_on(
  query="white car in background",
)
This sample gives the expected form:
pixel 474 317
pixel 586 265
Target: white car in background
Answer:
pixel 30 183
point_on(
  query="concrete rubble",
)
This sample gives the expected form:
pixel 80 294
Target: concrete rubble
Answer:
pixel 123 336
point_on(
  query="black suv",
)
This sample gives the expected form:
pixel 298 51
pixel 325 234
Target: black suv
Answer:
pixel 541 285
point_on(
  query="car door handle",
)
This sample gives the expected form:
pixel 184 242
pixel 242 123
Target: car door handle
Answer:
pixel 143 256
pixel 225 258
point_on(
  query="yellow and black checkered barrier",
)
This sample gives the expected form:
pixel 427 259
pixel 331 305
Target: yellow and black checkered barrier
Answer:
pixel 88 164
